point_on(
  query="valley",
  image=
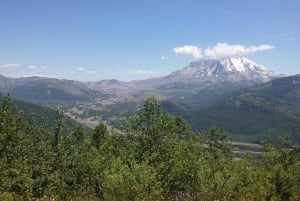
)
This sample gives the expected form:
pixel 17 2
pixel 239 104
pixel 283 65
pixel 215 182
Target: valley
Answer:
pixel 246 99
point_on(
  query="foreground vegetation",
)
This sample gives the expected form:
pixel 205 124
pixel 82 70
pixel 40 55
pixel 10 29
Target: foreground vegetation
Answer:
pixel 155 157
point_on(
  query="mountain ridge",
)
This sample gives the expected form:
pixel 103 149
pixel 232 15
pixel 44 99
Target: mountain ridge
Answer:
pixel 192 78
pixel 84 101
pixel 215 78
pixel 269 109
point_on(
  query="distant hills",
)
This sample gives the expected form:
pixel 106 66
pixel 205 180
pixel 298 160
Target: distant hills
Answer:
pixel 216 76
pixel 40 89
pixel 40 112
pixel 247 99
pixel 266 110
pixel 213 77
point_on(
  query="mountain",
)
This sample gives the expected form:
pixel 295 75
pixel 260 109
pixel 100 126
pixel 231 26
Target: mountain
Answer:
pixel 266 110
pixel 228 69
pixel 40 112
pixel 205 81
pixel 199 84
pixel 226 75
pixel 47 91
pixel 4 81
pixel 217 76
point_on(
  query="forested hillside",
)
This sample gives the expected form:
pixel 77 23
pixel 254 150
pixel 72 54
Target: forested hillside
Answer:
pixel 156 157
pixel 266 110
pixel 29 110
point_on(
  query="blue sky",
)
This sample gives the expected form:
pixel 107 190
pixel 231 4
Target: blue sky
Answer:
pixel 137 39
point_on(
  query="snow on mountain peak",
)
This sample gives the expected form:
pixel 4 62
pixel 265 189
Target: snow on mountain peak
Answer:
pixel 241 64
pixel 237 68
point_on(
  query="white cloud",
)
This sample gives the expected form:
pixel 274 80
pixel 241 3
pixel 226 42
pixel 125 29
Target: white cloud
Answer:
pixel 12 65
pixel 224 50
pixel 220 50
pixel 83 70
pixel 35 75
pixel 163 57
pixel 32 67
pixel 89 72
pixel 143 72
pixel 192 50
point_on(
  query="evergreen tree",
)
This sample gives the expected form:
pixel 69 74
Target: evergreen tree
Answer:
pixel 100 135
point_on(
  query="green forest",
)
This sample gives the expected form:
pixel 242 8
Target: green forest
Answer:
pixel 155 156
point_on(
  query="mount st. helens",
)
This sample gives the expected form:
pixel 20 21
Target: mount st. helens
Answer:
pixel 199 84
pixel 236 68
pixel 237 71
pixel 216 76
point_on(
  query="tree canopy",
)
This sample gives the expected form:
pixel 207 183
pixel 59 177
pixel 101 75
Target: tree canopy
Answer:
pixel 156 157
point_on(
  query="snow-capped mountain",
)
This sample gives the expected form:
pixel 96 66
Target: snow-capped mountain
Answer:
pixel 232 68
pixel 215 77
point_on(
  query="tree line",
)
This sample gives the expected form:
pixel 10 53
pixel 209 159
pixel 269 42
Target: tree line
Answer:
pixel 156 156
